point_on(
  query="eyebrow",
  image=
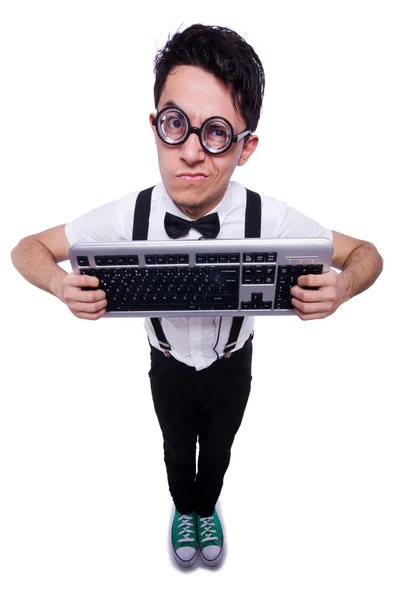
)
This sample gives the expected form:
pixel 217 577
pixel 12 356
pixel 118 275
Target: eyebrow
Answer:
pixel 173 104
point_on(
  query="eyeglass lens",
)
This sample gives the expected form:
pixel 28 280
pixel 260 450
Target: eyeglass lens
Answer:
pixel 174 126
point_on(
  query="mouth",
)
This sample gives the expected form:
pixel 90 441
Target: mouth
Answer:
pixel 192 177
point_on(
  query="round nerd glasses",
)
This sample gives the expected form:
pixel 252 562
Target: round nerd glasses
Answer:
pixel 216 134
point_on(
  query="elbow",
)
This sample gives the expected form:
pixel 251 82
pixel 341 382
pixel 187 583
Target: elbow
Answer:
pixel 376 256
pixel 16 251
pixel 372 248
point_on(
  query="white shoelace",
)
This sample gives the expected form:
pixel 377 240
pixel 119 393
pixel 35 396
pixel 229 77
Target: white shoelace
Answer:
pixel 187 529
pixel 207 528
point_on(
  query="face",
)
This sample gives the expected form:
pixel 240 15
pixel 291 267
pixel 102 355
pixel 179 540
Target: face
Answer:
pixel 195 179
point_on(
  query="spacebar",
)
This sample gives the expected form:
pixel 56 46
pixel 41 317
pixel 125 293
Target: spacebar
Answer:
pixel 158 307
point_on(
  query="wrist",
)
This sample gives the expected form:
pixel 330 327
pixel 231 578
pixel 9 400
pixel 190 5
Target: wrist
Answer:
pixel 346 281
pixel 55 286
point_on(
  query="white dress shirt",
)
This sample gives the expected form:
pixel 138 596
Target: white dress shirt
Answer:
pixel 196 341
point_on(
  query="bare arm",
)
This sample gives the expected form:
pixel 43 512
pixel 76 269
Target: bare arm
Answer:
pixel 359 261
pixel 360 264
pixel 36 258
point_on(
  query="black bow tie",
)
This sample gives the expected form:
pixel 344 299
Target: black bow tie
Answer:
pixel 176 227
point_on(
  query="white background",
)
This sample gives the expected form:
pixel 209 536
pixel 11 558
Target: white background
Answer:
pixel 309 500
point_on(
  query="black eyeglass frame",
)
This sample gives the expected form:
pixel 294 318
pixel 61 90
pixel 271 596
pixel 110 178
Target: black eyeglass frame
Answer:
pixel 198 130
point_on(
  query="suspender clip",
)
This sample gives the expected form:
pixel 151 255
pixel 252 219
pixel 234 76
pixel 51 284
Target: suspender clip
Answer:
pixel 165 347
pixel 229 352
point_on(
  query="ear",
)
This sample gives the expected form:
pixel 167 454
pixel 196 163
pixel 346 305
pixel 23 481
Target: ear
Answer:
pixel 151 117
pixel 248 149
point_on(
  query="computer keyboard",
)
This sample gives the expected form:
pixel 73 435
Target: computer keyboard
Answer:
pixel 200 277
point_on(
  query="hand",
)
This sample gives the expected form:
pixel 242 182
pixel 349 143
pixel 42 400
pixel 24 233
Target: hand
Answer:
pixel 84 304
pixel 317 304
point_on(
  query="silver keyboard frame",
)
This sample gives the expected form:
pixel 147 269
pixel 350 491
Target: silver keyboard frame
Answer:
pixel 290 251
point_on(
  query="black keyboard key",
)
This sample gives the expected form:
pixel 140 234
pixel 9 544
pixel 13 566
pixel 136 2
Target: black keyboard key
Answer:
pixel 229 271
pixel 132 259
pixel 83 261
pixel 248 257
pixel 234 257
pixel 317 269
pixel 91 272
pixel 283 288
pixel 219 306
pixel 231 305
pixel 160 307
pixel 283 305
pixel 248 271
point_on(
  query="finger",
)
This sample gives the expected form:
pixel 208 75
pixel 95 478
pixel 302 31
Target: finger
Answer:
pixel 311 307
pixel 89 307
pixel 76 280
pixel 310 316
pixel 312 280
pixel 90 316
pixel 79 295
pixel 307 295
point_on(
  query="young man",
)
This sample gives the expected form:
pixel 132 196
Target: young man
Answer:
pixel 198 393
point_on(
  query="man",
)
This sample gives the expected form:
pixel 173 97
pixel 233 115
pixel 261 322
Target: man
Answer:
pixel 198 393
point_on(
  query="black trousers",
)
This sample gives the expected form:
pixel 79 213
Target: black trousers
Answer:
pixel 207 406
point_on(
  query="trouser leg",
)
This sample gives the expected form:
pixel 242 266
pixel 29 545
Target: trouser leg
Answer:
pixel 177 415
pixel 227 397
pixel 209 404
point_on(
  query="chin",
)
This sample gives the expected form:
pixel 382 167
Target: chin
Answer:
pixel 187 195
pixel 182 201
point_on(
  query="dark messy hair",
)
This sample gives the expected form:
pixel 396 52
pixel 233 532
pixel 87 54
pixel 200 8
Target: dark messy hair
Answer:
pixel 223 53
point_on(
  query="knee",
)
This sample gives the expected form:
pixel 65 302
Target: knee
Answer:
pixel 174 453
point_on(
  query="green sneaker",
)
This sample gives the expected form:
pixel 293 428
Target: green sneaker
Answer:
pixel 184 539
pixel 210 536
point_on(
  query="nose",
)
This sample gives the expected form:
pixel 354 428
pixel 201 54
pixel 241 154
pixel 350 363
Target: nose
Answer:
pixel 192 150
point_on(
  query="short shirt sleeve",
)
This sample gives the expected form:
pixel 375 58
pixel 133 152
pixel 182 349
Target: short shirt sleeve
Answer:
pixel 111 222
pixel 282 221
